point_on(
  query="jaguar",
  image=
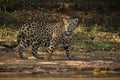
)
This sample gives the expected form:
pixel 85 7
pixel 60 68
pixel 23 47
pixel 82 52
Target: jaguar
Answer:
pixel 45 33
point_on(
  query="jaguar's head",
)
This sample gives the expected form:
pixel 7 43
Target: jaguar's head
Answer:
pixel 70 25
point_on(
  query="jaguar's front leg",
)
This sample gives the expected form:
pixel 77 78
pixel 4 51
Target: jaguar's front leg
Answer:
pixel 67 48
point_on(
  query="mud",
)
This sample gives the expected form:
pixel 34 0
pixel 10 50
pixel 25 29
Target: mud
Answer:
pixel 84 63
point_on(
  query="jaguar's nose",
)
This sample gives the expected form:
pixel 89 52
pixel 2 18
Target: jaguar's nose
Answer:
pixel 67 33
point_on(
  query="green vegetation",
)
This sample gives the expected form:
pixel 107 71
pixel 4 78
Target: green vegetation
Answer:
pixel 8 35
pixel 98 28
pixel 96 39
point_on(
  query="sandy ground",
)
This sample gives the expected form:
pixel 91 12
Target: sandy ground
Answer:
pixel 8 54
pixel 84 63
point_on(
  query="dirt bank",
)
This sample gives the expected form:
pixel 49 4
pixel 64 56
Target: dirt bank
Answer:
pixel 85 62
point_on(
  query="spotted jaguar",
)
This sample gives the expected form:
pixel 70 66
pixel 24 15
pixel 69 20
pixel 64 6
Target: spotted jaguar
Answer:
pixel 44 33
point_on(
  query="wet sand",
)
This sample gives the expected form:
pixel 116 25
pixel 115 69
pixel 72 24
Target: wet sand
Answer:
pixel 59 78
pixel 13 68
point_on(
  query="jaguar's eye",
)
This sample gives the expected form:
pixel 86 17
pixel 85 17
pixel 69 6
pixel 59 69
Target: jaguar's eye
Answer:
pixel 76 20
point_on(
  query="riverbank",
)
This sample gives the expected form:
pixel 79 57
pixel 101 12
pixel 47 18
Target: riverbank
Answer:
pixel 101 66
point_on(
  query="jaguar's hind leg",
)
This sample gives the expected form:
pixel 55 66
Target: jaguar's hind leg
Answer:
pixel 51 48
pixel 35 50
pixel 23 45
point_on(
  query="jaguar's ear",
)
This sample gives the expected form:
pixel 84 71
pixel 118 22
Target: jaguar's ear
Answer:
pixel 76 20
pixel 65 20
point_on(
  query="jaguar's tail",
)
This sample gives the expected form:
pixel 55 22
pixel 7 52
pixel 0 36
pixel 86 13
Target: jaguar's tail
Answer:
pixel 10 46
pixel 14 45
